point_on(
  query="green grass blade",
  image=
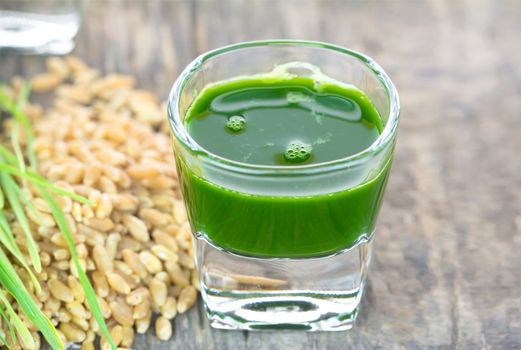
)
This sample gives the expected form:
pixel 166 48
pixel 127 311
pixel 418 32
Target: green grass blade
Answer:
pixel 7 239
pixel 8 155
pixel 38 180
pixel 13 109
pixel 4 342
pixel 24 335
pixel 87 287
pixel 16 110
pixel 2 199
pixel 15 142
pixel 5 101
pixel 21 165
pixel 30 206
pixel 32 156
pixel 23 96
pixel 8 185
pixel 14 285
pixel 34 280
pixel 9 325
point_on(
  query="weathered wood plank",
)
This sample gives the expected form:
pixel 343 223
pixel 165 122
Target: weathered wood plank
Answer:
pixel 446 269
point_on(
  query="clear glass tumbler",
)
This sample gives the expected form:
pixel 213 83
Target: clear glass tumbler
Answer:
pixel 39 26
pixel 321 291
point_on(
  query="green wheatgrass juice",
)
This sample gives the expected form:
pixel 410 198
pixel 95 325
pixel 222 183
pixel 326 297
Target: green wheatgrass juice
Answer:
pixel 282 122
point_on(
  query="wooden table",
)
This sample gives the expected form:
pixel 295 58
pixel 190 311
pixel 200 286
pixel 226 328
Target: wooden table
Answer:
pixel 447 269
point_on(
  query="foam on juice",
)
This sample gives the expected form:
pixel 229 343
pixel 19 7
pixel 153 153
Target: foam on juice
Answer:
pixel 236 123
pixel 297 152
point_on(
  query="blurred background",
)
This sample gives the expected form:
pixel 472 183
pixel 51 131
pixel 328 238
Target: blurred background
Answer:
pixel 446 269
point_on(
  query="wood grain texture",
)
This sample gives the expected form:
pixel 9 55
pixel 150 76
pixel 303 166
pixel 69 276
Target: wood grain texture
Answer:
pixel 447 267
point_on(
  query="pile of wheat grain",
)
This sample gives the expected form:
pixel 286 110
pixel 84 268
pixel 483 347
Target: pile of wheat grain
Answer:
pixel 100 140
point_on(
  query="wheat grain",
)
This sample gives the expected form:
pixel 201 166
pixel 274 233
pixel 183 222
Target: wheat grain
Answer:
pixel 97 141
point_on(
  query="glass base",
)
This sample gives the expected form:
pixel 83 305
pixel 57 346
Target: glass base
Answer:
pixel 313 294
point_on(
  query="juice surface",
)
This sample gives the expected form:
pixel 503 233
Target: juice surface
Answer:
pixel 282 122
pixel 335 123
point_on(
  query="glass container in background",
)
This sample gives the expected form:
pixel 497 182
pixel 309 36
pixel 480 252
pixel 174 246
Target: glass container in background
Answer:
pixel 39 26
pixel 320 290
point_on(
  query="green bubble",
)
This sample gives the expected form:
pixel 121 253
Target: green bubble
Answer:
pixel 236 123
pixel 297 152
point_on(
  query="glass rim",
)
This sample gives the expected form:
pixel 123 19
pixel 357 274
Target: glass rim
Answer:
pixel 180 132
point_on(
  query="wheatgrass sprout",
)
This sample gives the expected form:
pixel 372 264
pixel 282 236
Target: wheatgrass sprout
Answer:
pixel 9 187
pixel 9 326
pixel 15 110
pixel 90 295
pixel 13 284
pixel 10 282
pixel 12 166
pixel 23 332
pixel 8 241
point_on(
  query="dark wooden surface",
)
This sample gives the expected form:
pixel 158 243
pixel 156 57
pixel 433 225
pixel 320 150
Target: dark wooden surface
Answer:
pixel 447 269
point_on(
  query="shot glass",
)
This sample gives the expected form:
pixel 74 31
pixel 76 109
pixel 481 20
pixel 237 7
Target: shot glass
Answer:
pixel 39 26
pixel 234 206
